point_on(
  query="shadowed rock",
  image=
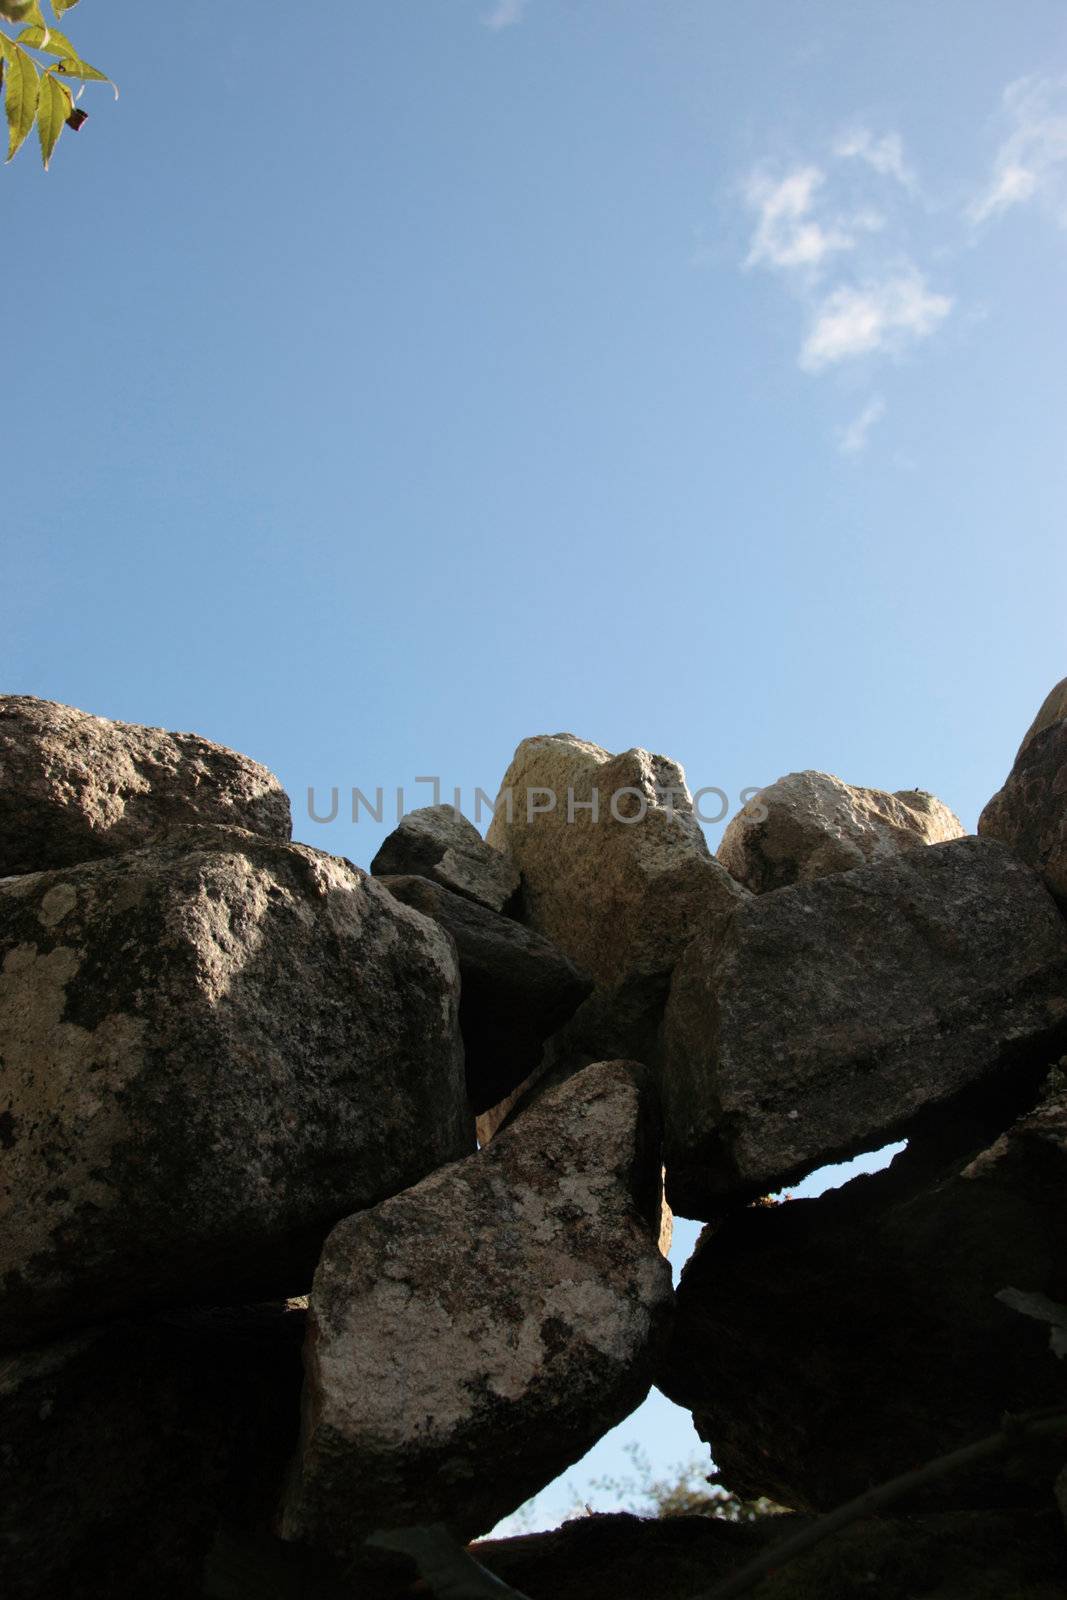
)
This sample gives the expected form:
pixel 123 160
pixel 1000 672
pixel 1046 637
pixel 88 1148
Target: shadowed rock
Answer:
pixel 475 1336
pixel 123 1447
pixel 810 823
pixel 438 842
pixel 209 1051
pixel 515 987
pixel 832 1017
pixel 75 787
pixel 827 1345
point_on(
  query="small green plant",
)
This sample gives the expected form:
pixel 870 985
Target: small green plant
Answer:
pixel 35 66
pixel 688 1491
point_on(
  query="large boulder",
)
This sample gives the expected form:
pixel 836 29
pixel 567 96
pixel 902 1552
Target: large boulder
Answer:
pixel 74 787
pixel 516 988
pixel 615 870
pixel 438 842
pixel 123 1448
pixel 1030 812
pixel 810 823
pixel 827 1345
pixel 210 1051
pixel 473 1337
pixel 832 1017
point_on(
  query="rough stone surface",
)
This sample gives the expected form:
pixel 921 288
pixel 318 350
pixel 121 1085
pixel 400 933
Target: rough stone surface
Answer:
pixel 832 1017
pixel 122 1448
pixel 515 987
pixel 472 1338
pixel 209 1052
pixel 1053 709
pixel 438 842
pixel 810 823
pixel 1030 812
pixel 622 898
pixel 826 1345
pixel 986 1555
pixel 74 787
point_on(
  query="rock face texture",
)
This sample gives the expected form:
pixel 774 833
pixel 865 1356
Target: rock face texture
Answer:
pixel 1030 812
pixel 806 1329
pixel 832 1017
pixel 616 872
pixel 209 1052
pixel 123 1447
pixel 75 787
pixel 438 842
pixel 964 1555
pixel 473 1337
pixel 810 823
pixel 515 987
pixel 1053 709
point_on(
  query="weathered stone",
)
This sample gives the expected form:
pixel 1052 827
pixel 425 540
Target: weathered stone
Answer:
pixel 123 1448
pixel 438 842
pixel 827 1345
pixel 209 1052
pixel 1053 709
pixel 809 824
pixel 984 1555
pixel 832 1017
pixel 475 1336
pixel 621 890
pixel 74 787
pixel 515 987
pixel 1030 812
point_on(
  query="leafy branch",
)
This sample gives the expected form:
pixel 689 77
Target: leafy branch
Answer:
pixel 35 91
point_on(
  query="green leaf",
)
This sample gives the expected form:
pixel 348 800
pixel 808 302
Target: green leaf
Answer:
pixel 22 11
pixel 56 105
pixel 23 90
pixel 70 64
pixel 59 6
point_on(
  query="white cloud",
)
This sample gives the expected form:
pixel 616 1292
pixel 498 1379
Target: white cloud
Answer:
pixel 788 235
pixel 878 318
pixel 884 155
pixel 505 14
pixel 852 440
pixel 1032 161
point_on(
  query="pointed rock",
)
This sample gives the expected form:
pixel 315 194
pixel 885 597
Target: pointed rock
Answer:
pixel 75 787
pixel 1030 812
pixel 475 1336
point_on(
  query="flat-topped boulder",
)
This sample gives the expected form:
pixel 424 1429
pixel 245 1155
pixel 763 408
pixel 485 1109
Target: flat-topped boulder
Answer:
pixel 516 988
pixel 809 824
pixel 473 1337
pixel 439 843
pixel 75 787
pixel 210 1051
pixel 832 1017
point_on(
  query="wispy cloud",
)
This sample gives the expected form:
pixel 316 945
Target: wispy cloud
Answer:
pixel 505 14
pixel 877 318
pixel 788 232
pixel 1032 161
pixel 885 155
pixel 852 440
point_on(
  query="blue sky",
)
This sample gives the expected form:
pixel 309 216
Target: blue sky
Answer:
pixel 388 382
